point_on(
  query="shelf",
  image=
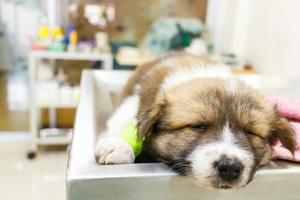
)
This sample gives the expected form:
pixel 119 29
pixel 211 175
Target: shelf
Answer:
pixel 49 95
pixel 54 141
pixel 70 55
pixel 54 136
pixel 56 105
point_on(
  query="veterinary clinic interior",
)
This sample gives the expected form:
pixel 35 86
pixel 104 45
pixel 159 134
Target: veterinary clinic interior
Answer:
pixel 97 99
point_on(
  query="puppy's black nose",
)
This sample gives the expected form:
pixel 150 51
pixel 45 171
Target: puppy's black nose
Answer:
pixel 229 170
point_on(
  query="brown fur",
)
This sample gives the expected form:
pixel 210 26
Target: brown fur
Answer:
pixel 168 120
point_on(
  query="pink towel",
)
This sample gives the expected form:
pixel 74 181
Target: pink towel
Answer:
pixel 289 109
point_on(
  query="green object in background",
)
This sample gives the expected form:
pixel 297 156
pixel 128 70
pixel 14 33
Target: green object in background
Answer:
pixel 164 34
pixel 56 46
pixel 129 135
pixel 182 39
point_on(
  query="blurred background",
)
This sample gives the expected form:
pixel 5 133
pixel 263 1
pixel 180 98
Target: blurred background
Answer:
pixel 46 44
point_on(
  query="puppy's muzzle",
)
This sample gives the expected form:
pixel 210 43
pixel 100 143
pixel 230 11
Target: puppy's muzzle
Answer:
pixel 229 170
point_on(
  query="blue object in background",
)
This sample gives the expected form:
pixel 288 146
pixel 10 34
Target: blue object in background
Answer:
pixel 69 30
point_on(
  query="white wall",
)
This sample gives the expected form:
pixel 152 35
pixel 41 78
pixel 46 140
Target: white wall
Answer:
pixel 227 23
pixel 274 37
pixel 264 32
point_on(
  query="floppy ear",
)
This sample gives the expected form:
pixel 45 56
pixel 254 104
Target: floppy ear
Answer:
pixel 148 119
pixel 284 132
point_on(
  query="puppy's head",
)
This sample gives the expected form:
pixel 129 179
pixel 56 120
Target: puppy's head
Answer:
pixel 218 132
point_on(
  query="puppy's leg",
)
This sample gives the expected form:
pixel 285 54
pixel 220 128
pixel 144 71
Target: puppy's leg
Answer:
pixel 111 149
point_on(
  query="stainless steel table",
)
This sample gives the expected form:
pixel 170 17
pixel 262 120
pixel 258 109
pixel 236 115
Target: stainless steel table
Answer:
pixel 87 180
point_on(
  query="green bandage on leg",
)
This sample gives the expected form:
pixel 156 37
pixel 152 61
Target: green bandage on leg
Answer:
pixel 129 135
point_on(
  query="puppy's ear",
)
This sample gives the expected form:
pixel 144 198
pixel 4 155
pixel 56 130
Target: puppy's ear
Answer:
pixel 284 132
pixel 148 118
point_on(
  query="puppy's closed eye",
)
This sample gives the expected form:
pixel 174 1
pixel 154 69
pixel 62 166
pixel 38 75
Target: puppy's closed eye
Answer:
pixel 201 128
pixel 251 133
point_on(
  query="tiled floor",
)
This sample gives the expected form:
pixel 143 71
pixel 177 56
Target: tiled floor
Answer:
pixel 20 178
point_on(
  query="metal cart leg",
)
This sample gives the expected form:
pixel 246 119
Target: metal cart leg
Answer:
pixel 31 154
pixel 33 109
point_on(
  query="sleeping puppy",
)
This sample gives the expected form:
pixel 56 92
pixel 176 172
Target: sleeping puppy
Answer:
pixel 198 119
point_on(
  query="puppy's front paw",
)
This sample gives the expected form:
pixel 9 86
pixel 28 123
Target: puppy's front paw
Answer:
pixel 113 150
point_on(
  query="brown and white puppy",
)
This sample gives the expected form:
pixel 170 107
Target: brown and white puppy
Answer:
pixel 198 119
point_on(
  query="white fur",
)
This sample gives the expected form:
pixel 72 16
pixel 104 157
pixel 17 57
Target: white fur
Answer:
pixel 203 158
pixel 186 74
pixel 227 136
pixel 113 150
pixel 125 114
pixel 110 149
